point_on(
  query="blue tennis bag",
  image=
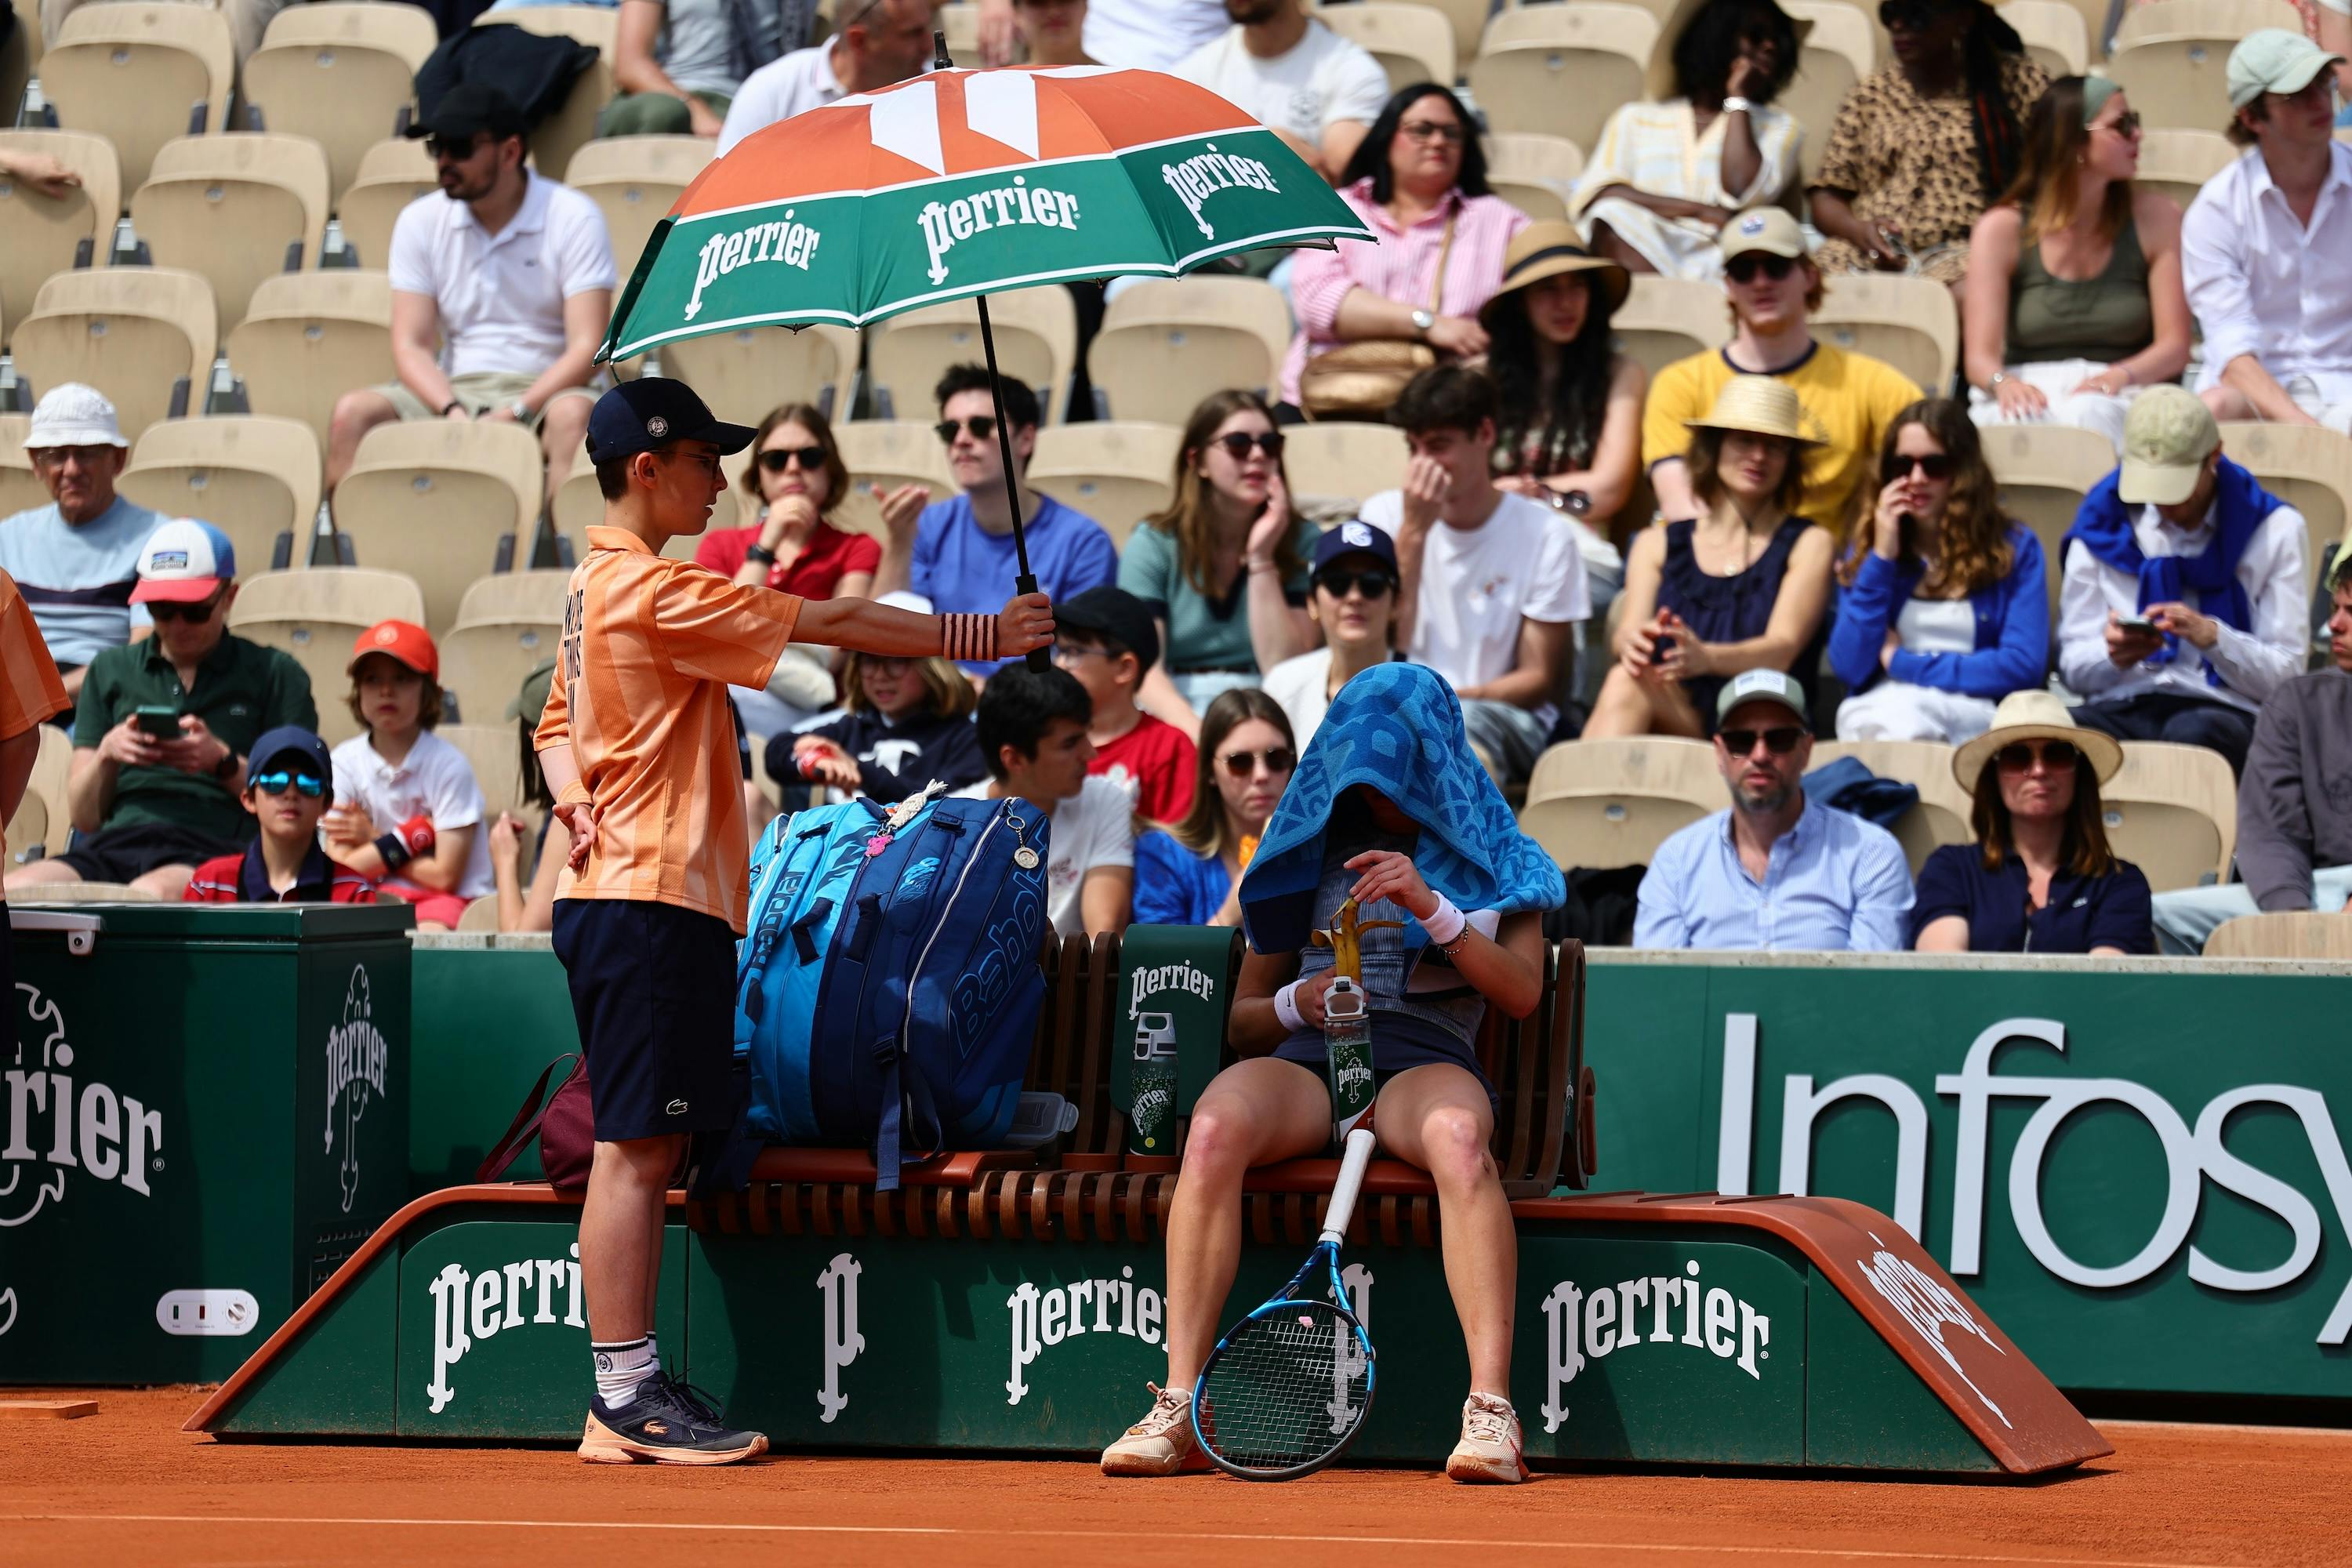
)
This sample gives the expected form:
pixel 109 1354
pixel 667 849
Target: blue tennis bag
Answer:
pixel 888 990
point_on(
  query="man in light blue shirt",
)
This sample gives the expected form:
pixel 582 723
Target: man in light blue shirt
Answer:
pixel 1776 872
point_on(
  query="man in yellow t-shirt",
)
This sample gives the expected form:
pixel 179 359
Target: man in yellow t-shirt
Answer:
pixel 1848 399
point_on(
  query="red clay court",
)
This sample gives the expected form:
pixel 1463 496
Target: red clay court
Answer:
pixel 127 1486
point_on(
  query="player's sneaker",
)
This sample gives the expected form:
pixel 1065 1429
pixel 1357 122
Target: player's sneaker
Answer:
pixel 665 1424
pixel 1161 1443
pixel 1490 1449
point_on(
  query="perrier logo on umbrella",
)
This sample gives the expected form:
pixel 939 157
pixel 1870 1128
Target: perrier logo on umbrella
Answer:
pixel 963 182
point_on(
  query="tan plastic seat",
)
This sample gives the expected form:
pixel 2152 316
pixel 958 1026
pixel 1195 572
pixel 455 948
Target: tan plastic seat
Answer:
pixel 1036 332
pixel 634 181
pixel 569 128
pixel 339 72
pixel 1238 302
pixel 2226 19
pixel 52 771
pixel 2176 82
pixel 2055 33
pixel 2178 162
pixel 1562 70
pixel 2308 467
pixel 1413 43
pixel 89 893
pixel 310 336
pixel 579 506
pixel 237 208
pixel 2044 470
pixel 894 452
pixel 317 615
pixel 1667 318
pixel 28 831
pixel 1534 173
pixel 743 374
pixel 1333 463
pixel 44 233
pixel 1601 804
pixel 2172 810
pixel 254 476
pixel 141 72
pixel 133 332
pixel 959 21
pixel 1909 322
pixel 391 173
pixel 1468 18
pixel 2300 933
pixel 436 498
pixel 1116 474
pixel 491 748
pixel 506 623
pixel 1941 816
pixel 1167 343
pixel 21 489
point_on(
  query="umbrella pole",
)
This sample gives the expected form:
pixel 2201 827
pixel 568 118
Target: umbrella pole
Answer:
pixel 1026 582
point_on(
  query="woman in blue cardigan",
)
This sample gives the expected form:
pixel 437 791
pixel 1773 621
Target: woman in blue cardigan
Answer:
pixel 1943 606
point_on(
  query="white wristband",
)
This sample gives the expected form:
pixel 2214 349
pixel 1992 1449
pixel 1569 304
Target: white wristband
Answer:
pixel 1446 923
pixel 1285 1007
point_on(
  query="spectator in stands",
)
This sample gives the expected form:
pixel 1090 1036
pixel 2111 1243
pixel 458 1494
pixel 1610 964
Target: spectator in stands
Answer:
pixel 1127 35
pixel 1108 640
pixel 1849 398
pixel 30 693
pixel 1318 91
pixel 2267 244
pixel 1354 602
pixel 1778 872
pixel 1189 873
pixel 286 789
pixel 2294 815
pixel 531 907
pixel 1741 587
pixel 499 293
pixel 408 812
pixel 43 174
pixel 1419 182
pixel 908 725
pixel 1491 585
pixel 2183 605
pixel 1943 603
pixel 958 553
pixel 76 560
pixel 149 810
pixel 1666 175
pixel 1390 809
pixel 1053 32
pixel 1223 568
pixel 1032 736
pixel 1922 146
pixel 678 63
pixel 2039 877
pixel 877 43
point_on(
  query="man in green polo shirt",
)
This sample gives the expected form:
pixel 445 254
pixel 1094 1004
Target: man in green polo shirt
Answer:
pixel 153 794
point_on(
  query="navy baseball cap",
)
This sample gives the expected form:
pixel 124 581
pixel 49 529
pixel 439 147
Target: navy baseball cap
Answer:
pixel 1354 538
pixel 291 740
pixel 652 411
pixel 1115 614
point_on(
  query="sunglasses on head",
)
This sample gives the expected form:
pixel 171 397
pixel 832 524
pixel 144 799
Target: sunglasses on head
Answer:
pixel 1935 464
pixel 1744 268
pixel 309 786
pixel 776 459
pixel 1278 759
pixel 2020 755
pixel 981 426
pixel 1375 582
pixel 1237 444
pixel 1780 741
pixel 165 611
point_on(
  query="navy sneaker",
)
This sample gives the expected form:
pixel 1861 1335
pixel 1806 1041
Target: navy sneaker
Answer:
pixel 668 1423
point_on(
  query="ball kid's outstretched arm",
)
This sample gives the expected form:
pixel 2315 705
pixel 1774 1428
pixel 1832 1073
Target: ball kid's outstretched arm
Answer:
pixel 1026 622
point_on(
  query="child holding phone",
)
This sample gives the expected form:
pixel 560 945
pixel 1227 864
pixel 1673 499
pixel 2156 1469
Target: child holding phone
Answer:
pixel 287 780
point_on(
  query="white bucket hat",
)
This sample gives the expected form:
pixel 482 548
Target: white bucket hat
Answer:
pixel 73 415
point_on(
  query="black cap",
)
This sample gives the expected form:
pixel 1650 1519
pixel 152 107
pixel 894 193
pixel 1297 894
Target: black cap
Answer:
pixel 468 109
pixel 1352 537
pixel 1115 614
pixel 652 411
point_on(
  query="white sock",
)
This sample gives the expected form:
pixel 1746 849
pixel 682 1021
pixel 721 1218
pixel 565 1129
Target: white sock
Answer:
pixel 653 1348
pixel 621 1368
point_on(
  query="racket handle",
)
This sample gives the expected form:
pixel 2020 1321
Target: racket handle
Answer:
pixel 1351 1181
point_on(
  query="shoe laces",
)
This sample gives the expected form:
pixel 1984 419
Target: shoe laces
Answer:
pixel 1169 1408
pixel 695 1399
pixel 1487 1419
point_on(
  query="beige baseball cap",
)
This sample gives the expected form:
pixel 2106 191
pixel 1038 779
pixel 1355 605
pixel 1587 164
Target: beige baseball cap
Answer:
pixel 1768 230
pixel 2167 435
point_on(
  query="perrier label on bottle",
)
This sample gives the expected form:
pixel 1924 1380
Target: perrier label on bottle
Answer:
pixel 1152 1121
pixel 1347 1054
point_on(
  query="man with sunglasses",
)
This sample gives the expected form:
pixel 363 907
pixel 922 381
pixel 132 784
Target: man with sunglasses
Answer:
pixel 2266 248
pixel 286 789
pixel 1778 871
pixel 164 726
pixel 878 42
pixel 1848 399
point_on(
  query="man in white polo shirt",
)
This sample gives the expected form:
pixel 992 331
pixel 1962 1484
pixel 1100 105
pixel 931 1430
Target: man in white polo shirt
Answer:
pixel 883 41
pixel 500 288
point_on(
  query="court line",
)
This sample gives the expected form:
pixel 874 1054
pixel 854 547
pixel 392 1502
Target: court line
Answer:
pixel 2193 1428
pixel 1485 1542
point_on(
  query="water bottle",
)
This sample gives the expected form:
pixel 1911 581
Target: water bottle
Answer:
pixel 1152 1119
pixel 1348 1053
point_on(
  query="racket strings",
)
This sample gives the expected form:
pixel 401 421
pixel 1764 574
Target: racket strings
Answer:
pixel 1288 1388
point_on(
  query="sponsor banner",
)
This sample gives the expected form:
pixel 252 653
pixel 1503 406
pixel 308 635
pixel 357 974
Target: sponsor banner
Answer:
pixel 1176 986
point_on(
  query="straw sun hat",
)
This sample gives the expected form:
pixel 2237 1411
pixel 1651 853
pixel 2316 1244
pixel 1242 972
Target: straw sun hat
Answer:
pixel 2034 716
pixel 1547 249
pixel 1759 405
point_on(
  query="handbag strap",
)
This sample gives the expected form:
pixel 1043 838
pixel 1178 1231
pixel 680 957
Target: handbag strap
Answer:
pixel 1445 249
pixel 525 1125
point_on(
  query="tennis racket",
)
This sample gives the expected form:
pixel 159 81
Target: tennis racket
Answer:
pixel 1287 1387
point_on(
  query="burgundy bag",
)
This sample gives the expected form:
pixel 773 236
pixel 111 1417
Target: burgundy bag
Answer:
pixel 565 1127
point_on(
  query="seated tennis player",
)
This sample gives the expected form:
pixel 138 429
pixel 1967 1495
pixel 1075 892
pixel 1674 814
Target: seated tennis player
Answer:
pixel 1390 806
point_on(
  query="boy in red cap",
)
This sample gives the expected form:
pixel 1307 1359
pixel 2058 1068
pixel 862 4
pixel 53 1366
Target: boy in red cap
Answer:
pixel 408 809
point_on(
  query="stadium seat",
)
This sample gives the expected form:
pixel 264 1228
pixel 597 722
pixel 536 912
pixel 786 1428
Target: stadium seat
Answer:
pixel 2300 934
pixel 1116 474
pixel 1941 816
pixel 2307 467
pixel 142 335
pixel 1534 173
pixel 578 505
pixel 1836 55
pixel 1413 43
pixel 45 234
pixel 569 128
pixel 2044 470
pixel 2055 33
pixel 2178 162
pixel 254 476
pixel 1667 318
pixel 391 173
pixel 21 489
pixel 1342 462
pixel 436 498
pixel 1466 18
pixel 28 830
pixel 1909 322
pixel 1167 343
pixel 317 615
pixel 2176 81
pixel 1601 804
pixel 310 336
pixel 634 181
pixel 2172 810
pixel 743 374
pixel 1036 333
pixel 2226 19
pixel 1562 70
pixel 339 72
pixel 237 208
pixel 90 893
pixel 893 452
pixel 140 72
pixel 1244 301
pixel 492 748
pixel 52 772
pixel 507 623
pixel 959 21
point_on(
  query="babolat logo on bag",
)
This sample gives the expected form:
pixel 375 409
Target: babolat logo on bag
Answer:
pixel 470 1307
pixel 946 224
pixel 1042 1318
pixel 1203 175
pixel 791 244
pixel 1580 1327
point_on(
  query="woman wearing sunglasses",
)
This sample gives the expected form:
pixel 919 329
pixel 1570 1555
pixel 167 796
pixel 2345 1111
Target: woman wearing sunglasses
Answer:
pixel 1189 873
pixel 2074 297
pixel 1354 602
pixel 2039 877
pixel 1943 605
pixel 1223 569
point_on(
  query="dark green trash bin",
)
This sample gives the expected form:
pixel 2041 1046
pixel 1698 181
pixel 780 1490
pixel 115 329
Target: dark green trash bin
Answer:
pixel 206 1111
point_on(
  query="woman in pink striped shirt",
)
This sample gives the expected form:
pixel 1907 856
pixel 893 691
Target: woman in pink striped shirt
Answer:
pixel 1418 174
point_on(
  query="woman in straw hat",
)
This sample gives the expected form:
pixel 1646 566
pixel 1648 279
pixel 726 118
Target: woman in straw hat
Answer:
pixel 1666 175
pixel 1740 588
pixel 1943 609
pixel 2039 877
